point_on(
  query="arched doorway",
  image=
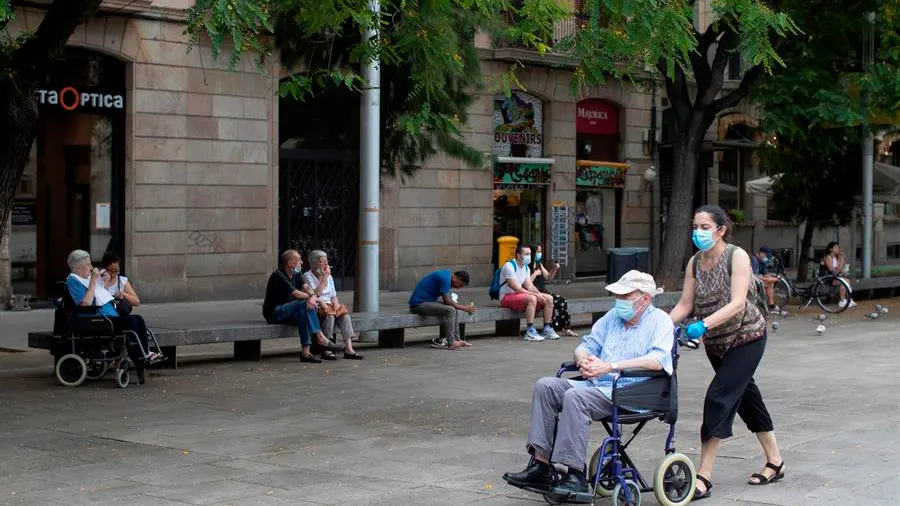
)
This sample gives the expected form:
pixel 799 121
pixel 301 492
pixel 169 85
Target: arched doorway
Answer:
pixel 318 179
pixel 599 184
pixel 72 193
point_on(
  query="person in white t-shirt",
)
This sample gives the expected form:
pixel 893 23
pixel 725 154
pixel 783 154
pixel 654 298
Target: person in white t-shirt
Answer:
pixel 330 309
pixel 114 282
pixel 518 293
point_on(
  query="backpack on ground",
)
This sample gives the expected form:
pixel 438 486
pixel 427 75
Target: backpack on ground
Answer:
pixel 756 293
pixel 496 285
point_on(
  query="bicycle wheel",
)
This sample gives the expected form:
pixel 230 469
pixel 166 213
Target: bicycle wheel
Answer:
pixel 783 292
pixel 827 292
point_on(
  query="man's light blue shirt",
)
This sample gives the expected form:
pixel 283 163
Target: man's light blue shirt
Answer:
pixel 610 341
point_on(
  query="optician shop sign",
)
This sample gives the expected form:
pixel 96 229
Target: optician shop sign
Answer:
pixel 71 98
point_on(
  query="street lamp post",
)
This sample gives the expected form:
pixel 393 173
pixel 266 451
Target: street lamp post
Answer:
pixel 369 172
pixel 867 155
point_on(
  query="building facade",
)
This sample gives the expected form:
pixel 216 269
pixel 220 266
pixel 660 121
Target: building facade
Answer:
pixel 176 162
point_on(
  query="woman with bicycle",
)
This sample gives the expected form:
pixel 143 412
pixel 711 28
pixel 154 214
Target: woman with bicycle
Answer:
pixel 716 285
pixel 834 263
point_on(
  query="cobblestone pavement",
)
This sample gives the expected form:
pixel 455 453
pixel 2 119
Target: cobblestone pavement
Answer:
pixel 419 426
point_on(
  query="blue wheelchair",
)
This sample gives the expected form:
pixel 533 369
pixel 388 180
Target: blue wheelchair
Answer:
pixel 611 472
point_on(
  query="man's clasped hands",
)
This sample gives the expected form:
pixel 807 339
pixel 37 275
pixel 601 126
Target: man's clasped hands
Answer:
pixel 592 367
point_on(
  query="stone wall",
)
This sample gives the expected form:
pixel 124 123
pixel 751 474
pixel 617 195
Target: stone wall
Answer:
pixel 201 206
pixel 443 216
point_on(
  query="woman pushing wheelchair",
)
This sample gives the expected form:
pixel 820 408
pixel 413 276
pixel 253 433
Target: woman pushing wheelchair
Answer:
pixel 734 335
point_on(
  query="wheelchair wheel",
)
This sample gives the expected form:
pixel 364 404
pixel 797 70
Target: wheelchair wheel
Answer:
pixel 71 370
pixel 618 495
pixel 675 480
pixel 97 370
pixel 606 484
pixel 123 378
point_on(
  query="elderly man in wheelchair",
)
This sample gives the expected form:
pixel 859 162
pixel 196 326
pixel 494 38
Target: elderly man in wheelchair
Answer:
pixel 627 376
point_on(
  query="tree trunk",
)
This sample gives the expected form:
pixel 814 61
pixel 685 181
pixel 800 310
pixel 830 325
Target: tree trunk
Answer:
pixel 805 243
pixel 18 122
pixel 676 245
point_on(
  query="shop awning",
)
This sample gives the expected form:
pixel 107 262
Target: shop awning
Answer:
pixel 513 170
pixel 760 186
pixel 600 174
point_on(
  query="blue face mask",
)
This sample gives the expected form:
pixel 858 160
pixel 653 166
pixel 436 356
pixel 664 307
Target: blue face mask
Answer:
pixel 538 257
pixel 624 309
pixel 703 239
pixel 526 259
pixel 765 260
pixel 297 270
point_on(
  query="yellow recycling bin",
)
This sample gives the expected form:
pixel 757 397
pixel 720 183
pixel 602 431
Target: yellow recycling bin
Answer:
pixel 507 250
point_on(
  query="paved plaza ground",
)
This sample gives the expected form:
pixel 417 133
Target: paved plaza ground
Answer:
pixel 418 426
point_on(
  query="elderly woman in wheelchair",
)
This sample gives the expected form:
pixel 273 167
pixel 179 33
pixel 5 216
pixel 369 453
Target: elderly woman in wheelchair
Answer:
pixel 94 333
pixel 626 369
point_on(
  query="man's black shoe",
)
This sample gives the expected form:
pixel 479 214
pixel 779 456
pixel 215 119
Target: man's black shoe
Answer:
pixel 572 484
pixel 536 476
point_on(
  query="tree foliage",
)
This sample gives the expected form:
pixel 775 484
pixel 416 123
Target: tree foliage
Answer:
pixel 429 63
pixel 817 107
pixel 690 51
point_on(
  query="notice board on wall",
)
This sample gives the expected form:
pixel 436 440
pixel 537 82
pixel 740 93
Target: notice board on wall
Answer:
pixel 559 232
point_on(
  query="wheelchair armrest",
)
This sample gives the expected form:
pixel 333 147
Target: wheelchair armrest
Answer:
pixel 643 373
pixel 566 367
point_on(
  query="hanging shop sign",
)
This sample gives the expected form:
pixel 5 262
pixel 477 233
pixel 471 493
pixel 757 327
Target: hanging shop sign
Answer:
pixel 24 212
pixel 597 117
pixel 71 98
pixel 506 174
pixel 598 174
pixel 518 125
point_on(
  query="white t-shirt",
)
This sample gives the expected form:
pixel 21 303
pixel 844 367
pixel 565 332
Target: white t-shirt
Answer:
pixel 511 270
pixel 313 283
pixel 118 286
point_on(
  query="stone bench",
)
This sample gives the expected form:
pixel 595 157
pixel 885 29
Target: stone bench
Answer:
pixel 247 337
pixel 882 286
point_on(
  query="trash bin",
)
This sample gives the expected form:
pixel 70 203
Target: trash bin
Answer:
pixel 507 249
pixel 621 260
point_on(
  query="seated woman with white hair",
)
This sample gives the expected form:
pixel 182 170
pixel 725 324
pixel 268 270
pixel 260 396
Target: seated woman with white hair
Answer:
pixel 330 309
pixel 87 289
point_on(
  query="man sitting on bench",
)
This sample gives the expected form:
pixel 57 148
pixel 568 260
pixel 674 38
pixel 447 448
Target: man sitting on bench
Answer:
pixel 518 293
pixel 424 302
pixel 635 334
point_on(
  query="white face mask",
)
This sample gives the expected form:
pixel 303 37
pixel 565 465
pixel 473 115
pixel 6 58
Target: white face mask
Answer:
pixel 526 259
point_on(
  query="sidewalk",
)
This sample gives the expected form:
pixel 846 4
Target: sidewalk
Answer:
pixel 419 426
pixel 15 325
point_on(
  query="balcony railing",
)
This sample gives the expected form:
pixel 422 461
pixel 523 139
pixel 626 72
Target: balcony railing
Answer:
pixel 561 29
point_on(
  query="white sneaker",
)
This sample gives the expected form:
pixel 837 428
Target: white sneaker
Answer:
pixel 532 335
pixel 549 333
pixel 852 304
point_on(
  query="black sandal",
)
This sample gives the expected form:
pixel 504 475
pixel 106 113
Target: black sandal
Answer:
pixel 328 355
pixel 353 356
pixel 706 493
pixel 765 480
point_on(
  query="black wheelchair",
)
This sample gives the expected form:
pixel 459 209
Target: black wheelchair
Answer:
pixel 611 472
pixel 87 345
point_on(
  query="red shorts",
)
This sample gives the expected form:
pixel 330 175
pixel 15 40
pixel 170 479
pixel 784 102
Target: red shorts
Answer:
pixel 518 301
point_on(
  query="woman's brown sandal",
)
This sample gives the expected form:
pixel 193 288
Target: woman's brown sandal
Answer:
pixel 765 480
pixel 706 493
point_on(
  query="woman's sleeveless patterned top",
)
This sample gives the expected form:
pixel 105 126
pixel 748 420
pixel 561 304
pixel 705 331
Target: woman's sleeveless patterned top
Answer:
pixel 712 291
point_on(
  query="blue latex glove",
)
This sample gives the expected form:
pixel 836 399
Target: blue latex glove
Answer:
pixel 696 330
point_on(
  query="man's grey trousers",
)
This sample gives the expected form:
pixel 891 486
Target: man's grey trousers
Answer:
pixel 576 407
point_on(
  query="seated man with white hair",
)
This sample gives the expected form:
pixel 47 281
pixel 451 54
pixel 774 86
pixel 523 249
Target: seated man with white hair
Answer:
pixel 86 287
pixel 635 334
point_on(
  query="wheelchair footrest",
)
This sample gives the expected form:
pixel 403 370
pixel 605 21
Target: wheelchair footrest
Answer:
pixel 578 498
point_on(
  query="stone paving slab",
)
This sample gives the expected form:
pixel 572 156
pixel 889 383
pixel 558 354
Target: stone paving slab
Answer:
pixel 421 426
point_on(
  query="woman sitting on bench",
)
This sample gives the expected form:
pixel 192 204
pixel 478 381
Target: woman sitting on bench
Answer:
pixel 86 286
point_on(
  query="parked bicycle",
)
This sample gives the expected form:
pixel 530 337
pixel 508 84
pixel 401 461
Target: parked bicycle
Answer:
pixel 825 289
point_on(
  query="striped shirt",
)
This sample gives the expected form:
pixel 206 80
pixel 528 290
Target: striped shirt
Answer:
pixel 610 341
